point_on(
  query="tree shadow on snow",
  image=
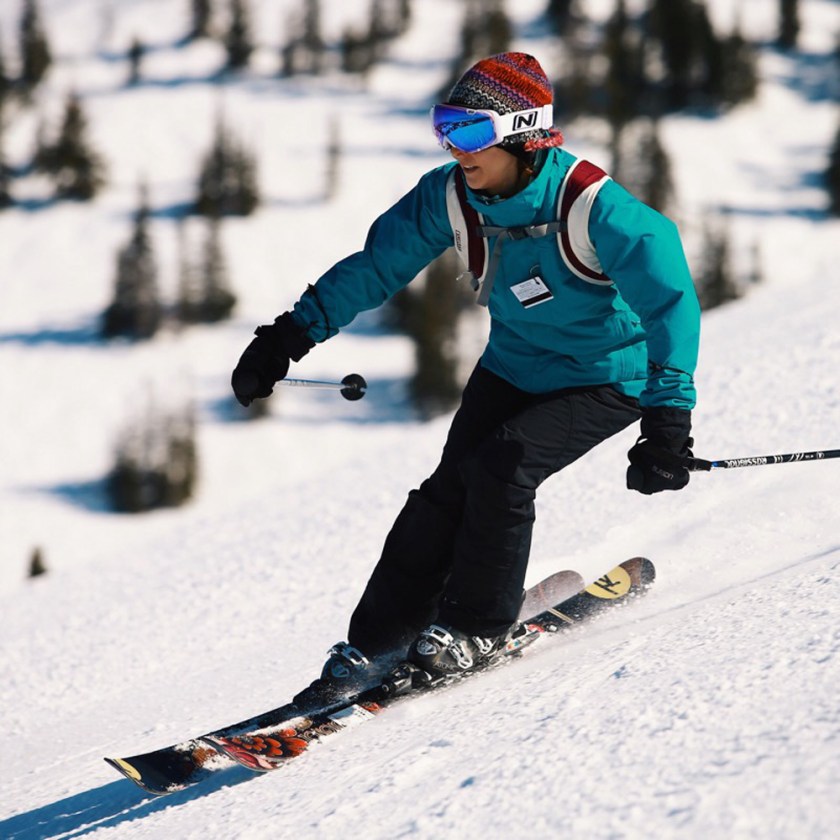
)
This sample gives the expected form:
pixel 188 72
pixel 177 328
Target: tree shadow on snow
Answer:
pixel 90 495
pixel 811 75
pixel 107 806
pixel 86 333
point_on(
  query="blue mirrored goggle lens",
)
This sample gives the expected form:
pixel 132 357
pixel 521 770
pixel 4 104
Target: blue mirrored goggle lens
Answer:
pixel 465 131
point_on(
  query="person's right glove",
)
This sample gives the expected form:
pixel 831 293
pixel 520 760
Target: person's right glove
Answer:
pixel 658 461
pixel 266 359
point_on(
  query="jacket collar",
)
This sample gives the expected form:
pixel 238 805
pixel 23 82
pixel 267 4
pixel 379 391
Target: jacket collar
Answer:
pixel 525 206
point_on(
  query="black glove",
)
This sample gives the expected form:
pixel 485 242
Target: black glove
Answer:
pixel 266 359
pixel 658 460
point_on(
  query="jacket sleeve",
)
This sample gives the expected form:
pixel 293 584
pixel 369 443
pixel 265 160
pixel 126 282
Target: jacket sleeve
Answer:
pixel 641 252
pixel 400 243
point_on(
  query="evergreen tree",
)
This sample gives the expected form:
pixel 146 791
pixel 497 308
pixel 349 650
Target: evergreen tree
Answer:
pixel 710 62
pixel 156 462
pixel 312 40
pixel 333 159
pixel 227 184
pixel 181 467
pixel 358 52
pixel 42 154
pixel 5 173
pixel 238 41
pixel 832 176
pixel 486 30
pixel 6 199
pixel 574 91
pixel 135 311
pixel 642 166
pixel 715 282
pixel 403 16
pixel 204 294
pixel 37 566
pixel 34 50
pixel 389 19
pixel 218 300
pixel 380 28
pixel 788 24
pixel 560 14
pixel 135 57
pixel 201 13
pixel 740 70
pixel 304 49
pixel 756 273
pixel 429 314
pixel 188 302
pixel 658 190
pixel 77 171
pixel 691 53
pixel 5 81
pixel 624 82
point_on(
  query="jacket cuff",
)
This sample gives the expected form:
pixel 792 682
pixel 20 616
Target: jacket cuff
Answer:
pixel 293 338
pixel 666 426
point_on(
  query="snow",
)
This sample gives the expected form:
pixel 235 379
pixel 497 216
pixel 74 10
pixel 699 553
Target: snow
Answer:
pixel 708 709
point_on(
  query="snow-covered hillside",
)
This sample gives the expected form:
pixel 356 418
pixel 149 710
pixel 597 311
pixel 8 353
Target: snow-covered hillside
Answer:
pixel 708 709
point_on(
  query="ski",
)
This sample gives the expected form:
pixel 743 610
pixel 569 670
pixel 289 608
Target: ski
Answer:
pixel 186 763
pixel 269 749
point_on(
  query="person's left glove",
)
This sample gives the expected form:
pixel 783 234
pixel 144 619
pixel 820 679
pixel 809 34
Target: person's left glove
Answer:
pixel 266 359
pixel 659 459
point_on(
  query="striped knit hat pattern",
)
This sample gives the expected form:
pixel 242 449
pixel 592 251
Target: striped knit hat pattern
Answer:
pixel 511 81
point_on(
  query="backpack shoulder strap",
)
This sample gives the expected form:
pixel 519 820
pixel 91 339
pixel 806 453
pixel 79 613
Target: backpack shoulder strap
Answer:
pixel 578 191
pixel 465 222
pixel 580 187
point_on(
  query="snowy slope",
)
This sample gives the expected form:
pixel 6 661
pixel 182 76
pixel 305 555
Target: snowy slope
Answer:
pixel 710 709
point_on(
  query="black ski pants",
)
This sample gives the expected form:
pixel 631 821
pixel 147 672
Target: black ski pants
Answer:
pixel 458 551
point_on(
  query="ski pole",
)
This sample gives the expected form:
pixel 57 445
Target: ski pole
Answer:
pixel 352 387
pixel 699 464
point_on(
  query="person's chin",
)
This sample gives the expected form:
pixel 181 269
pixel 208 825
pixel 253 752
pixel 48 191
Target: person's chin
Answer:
pixel 473 177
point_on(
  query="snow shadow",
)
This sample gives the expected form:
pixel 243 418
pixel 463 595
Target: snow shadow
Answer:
pixel 809 214
pixel 108 806
pixel 811 75
pixel 88 495
pixel 86 333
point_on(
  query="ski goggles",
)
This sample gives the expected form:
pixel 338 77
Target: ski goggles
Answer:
pixel 473 130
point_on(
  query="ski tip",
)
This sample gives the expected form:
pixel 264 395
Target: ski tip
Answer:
pixel 129 771
pixel 641 570
pixel 153 774
pixel 635 574
pixel 133 774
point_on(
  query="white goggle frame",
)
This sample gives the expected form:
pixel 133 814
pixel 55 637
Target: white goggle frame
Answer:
pixel 506 125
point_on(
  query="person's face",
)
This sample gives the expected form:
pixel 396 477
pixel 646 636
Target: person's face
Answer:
pixel 492 170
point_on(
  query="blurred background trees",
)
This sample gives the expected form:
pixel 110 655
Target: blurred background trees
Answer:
pixel 625 72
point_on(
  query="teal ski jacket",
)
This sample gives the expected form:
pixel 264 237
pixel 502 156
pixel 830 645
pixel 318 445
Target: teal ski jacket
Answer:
pixel 640 333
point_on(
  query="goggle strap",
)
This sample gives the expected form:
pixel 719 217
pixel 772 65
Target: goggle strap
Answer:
pixel 518 122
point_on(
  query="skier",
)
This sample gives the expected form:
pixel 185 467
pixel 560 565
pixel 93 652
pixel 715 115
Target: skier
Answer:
pixel 581 345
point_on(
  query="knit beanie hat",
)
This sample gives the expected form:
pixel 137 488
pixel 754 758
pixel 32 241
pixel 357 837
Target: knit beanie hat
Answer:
pixel 504 83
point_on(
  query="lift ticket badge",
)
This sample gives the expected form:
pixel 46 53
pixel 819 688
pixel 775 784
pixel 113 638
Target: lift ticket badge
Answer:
pixel 614 584
pixel 532 292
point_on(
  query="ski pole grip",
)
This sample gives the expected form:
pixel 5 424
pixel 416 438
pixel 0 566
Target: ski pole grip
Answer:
pixel 698 465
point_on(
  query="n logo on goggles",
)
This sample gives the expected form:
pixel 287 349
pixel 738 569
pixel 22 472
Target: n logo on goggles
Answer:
pixel 473 130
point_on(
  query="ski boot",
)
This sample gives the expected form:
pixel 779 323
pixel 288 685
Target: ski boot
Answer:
pixel 443 651
pixel 346 672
